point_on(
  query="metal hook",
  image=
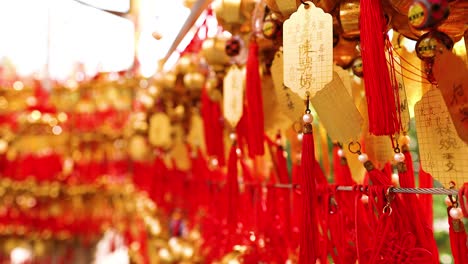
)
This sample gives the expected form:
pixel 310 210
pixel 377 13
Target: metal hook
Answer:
pixel 307 102
pixel 358 150
pixel 389 196
pixel 305 3
pixel 395 144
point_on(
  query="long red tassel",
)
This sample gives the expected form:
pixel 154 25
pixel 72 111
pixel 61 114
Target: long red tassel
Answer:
pixel 420 227
pixel 457 239
pixel 309 237
pixel 285 194
pixel 341 169
pixel 380 95
pixel 254 102
pixel 427 207
pixel 213 128
pixel 232 186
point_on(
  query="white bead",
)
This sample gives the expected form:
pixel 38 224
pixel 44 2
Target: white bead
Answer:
pixel 365 199
pixel 238 152
pixel 232 136
pixel 340 153
pixel 399 157
pixel 300 136
pixel 307 118
pixel 448 202
pixel 363 157
pixel 456 213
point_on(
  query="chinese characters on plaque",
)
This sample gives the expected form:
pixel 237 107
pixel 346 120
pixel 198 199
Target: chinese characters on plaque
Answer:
pixel 233 99
pixel 451 74
pixel 289 102
pixel 308 50
pixel 442 153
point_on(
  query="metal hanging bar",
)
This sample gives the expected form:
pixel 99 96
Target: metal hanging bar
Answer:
pixel 432 191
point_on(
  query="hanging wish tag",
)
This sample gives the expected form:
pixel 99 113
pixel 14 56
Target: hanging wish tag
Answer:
pixel 337 111
pixel 345 78
pixel 402 103
pixel 179 149
pixel 378 148
pixel 196 133
pixel 451 74
pixel 160 130
pixel 233 99
pixel 308 50
pixel 289 102
pixel 442 153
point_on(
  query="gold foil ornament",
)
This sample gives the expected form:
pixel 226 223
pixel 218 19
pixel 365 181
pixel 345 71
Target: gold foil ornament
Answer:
pixel 213 50
pixel 194 80
pixel 349 18
pixel 160 130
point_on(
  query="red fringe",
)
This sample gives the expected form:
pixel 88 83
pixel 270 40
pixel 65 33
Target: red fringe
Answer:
pixel 427 207
pixel 284 197
pixel 232 186
pixel 457 240
pixel 254 97
pixel 309 246
pixel 213 127
pixel 341 169
pixel 420 229
pixel 383 116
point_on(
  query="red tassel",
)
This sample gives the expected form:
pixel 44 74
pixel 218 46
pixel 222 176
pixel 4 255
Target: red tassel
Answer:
pixel 420 228
pixel 457 240
pixel 382 110
pixel 232 185
pixel 254 102
pixel 284 194
pixel 309 248
pixel 341 169
pixel 213 128
pixel 426 181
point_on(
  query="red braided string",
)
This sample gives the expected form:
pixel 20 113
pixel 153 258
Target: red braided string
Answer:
pixel 380 95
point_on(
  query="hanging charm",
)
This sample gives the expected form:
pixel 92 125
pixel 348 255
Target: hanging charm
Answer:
pixel 308 50
pixel 160 130
pixel 289 102
pixel 337 111
pixel 380 93
pixel 233 94
pixel 443 154
pixel 451 74
pixel 309 247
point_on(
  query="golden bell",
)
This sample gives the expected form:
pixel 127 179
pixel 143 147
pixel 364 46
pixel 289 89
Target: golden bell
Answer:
pixel 349 18
pixel 457 22
pixel 213 50
pixel 401 6
pixel 326 5
pixel 169 80
pixel 194 80
pixel 184 65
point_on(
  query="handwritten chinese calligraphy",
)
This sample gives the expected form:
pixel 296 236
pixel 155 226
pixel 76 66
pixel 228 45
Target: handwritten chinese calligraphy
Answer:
pixel 442 152
pixel 289 102
pixel 233 94
pixel 308 50
pixel 452 75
